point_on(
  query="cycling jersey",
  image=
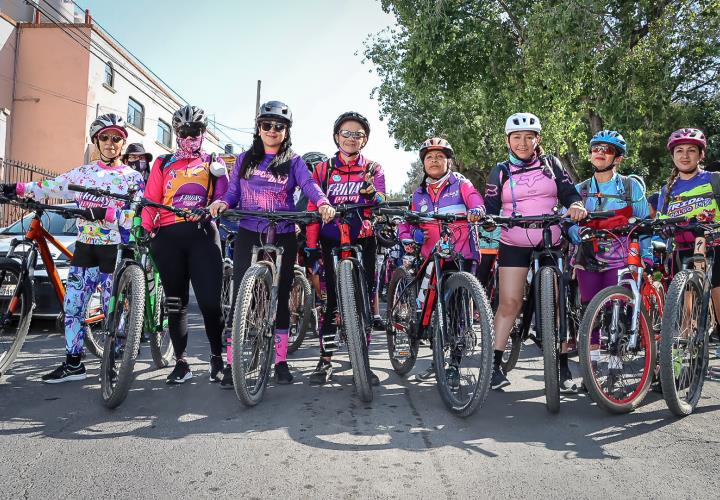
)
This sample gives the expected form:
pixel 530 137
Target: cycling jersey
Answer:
pixel 342 181
pixel 186 183
pixel 263 191
pixel 455 195
pixel 690 198
pixel 96 175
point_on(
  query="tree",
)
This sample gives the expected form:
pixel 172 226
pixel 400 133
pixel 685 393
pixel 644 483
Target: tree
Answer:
pixel 458 68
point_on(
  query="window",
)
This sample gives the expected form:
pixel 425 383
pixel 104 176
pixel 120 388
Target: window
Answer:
pixel 136 114
pixel 164 135
pixel 109 74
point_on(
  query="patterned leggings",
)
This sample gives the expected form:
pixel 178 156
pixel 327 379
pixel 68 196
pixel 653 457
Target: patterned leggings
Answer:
pixel 81 285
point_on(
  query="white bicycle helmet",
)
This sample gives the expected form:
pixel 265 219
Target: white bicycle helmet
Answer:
pixel 108 120
pixel 521 122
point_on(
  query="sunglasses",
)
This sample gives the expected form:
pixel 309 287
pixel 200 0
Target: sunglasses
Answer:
pixel 278 127
pixel 115 138
pixel 602 148
pixel 347 134
pixel 190 131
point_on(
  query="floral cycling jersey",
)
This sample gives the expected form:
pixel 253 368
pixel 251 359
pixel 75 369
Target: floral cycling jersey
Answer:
pixel 95 175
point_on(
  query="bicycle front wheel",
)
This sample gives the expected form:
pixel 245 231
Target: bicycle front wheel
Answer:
pixel 122 341
pixel 252 335
pixel 463 355
pixel 617 363
pixel 160 345
pixel 226 293
pixel 352 310
pixel 546 299
pixel 683 344
pixel 301 304
pixel 16 304
pixel 402 322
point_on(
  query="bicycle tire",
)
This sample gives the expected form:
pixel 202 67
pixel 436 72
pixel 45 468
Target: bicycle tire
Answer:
pixel 226 293
pixel 515 341
pixel 252 324
pixel 684 282
pixel 11 342
pixel 545 300
pixel 402 314
pixel 597 388
pixel 161 347
pixel 93 342
pixel 351 303
pixel 482 324
pixel 129 297
pixel 304 309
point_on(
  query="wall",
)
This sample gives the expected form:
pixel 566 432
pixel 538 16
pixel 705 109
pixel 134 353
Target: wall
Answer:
pixel 7 68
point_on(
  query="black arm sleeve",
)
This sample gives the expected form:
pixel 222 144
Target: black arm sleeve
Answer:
pixel 567 194
pixel 493 194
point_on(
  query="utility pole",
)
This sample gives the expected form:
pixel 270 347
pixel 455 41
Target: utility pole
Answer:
pixel 257 100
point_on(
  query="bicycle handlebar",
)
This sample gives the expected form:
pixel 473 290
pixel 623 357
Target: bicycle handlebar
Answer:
pixel 130 198
pixel 232 213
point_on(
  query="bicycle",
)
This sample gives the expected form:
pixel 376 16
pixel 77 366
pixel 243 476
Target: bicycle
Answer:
pixel 427 300
pixel 253 324
pixel 17 297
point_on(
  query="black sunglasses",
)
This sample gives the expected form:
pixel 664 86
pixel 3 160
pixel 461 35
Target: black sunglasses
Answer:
pixel 105 137
pixel 266 126
pixel 190 131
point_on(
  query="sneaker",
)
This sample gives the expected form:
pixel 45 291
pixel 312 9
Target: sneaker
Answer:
pixel 378 323
pixel 498 379
pixel 567 384
pixel 453 377
pixel 374 379
pixel 227 380
pixel 65 373
pixel 216 366
pixel 282 373
pixel 428 374
pixel 322 372
pixel 180 373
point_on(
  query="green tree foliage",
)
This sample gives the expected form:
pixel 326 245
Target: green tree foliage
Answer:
pixel 458 68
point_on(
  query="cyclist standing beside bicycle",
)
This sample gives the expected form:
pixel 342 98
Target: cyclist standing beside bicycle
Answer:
pixel 347 177
pixel 442 191
pixel 93 261
pixel 188 249
pixel 596 262
pixel 265 178
pixel 528 183
pixel 693 192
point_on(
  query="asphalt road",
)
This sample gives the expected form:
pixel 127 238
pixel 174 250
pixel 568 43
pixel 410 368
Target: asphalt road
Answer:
pixel 302 441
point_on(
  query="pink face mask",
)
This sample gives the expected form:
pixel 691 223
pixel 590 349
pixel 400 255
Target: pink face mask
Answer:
pixel 188 147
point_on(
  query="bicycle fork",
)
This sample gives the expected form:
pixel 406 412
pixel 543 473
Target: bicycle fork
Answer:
pixel 627 276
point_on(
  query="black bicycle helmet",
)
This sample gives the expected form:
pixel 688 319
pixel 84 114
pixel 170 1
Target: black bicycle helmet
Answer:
pixel 313 158
pixel 275 110
pixel 351 115
pixel 188 115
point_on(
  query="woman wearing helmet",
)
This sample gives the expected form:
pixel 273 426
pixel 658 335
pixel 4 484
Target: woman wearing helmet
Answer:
pixel 597 262
pixel 443 191
pixel 528 183
pixel 265 178
pixel 347 177
pixel 188 249
pixel 93 261
pixel 691 194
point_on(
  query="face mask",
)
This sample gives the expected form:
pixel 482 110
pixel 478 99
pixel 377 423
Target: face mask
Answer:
pixel 139 165
pixel 188 147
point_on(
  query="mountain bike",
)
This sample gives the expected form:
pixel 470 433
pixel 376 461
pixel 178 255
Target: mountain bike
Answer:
pixel 17 269
pixel 435 299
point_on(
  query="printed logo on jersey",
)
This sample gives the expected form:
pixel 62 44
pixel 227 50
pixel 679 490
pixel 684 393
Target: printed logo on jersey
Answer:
pixel 694 203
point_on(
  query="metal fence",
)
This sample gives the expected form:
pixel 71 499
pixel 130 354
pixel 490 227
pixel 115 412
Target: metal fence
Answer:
pixel 18 171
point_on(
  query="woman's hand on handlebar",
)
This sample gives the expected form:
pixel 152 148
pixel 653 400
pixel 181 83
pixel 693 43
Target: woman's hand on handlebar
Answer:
pixel 217 207
pixel 577 212
pixel 327 212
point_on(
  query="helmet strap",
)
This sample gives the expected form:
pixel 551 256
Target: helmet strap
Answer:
pixel 349 155
pixel 106 159
pixel 601 170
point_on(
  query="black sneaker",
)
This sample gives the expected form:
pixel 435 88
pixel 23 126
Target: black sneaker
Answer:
pixel 282 373
pixel 428 374
pixel 216 366
pixel 323 372
pixel 65 373
pixel 378 323
pixel 567 384
pixel 180 373
pixel 452 374
pixel 374 379
pixel 498 380
pixel 227 380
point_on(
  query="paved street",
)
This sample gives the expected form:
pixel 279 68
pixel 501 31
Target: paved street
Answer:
pixel 314 442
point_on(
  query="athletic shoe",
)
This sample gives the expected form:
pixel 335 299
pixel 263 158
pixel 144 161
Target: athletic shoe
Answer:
pixel 428 374
pixel 498 379
pixel 374 379
pixel 567 384
pixel 227 380
pixel 180 373
pixel 216 366
pixel 282 373
pixel 323 372
pixel 453 377
pixel 65 373
pixel 379 323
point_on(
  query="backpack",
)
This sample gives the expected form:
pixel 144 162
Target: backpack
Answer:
pixel 626 196
pixel 210 188
pixel 714 184
pixel 330 168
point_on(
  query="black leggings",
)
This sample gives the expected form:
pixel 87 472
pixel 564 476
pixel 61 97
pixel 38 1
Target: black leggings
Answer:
pixel 185 253
pixel 242 255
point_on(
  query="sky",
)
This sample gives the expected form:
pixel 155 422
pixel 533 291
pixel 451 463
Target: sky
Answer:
pixel 307 53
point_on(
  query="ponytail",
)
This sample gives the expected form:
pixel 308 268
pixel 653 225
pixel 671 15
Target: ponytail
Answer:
pixel 668 188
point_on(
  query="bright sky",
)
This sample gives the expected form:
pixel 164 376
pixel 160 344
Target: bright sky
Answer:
pixel 308 53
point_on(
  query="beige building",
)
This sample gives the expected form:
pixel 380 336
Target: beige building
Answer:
pixel 58 71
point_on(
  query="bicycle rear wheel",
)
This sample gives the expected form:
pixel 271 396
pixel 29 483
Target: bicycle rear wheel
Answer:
pixel 402 322
pixel 252 335
pixel 546 299
pixel 617 369
pixel 160 344
pixel 301 304
pixel 352 310
pixel 683 344
pixel 94 340
pixel 16 304
pixel 226 293
pixel 463 356
pixel 122 342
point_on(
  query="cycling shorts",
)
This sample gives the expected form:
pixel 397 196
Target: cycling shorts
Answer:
pixel 513 256
pixel 102 256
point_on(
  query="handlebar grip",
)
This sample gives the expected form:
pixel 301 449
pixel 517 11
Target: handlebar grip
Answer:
pixel 602 215
pixel 78 188
pixel 395 203
pixel 674 220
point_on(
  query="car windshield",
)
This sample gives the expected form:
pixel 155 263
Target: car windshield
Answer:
pixel 54 223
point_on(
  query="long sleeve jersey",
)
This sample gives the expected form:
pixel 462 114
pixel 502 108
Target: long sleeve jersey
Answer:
pixel 263 191
pixel 186 183
pixel 95 175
